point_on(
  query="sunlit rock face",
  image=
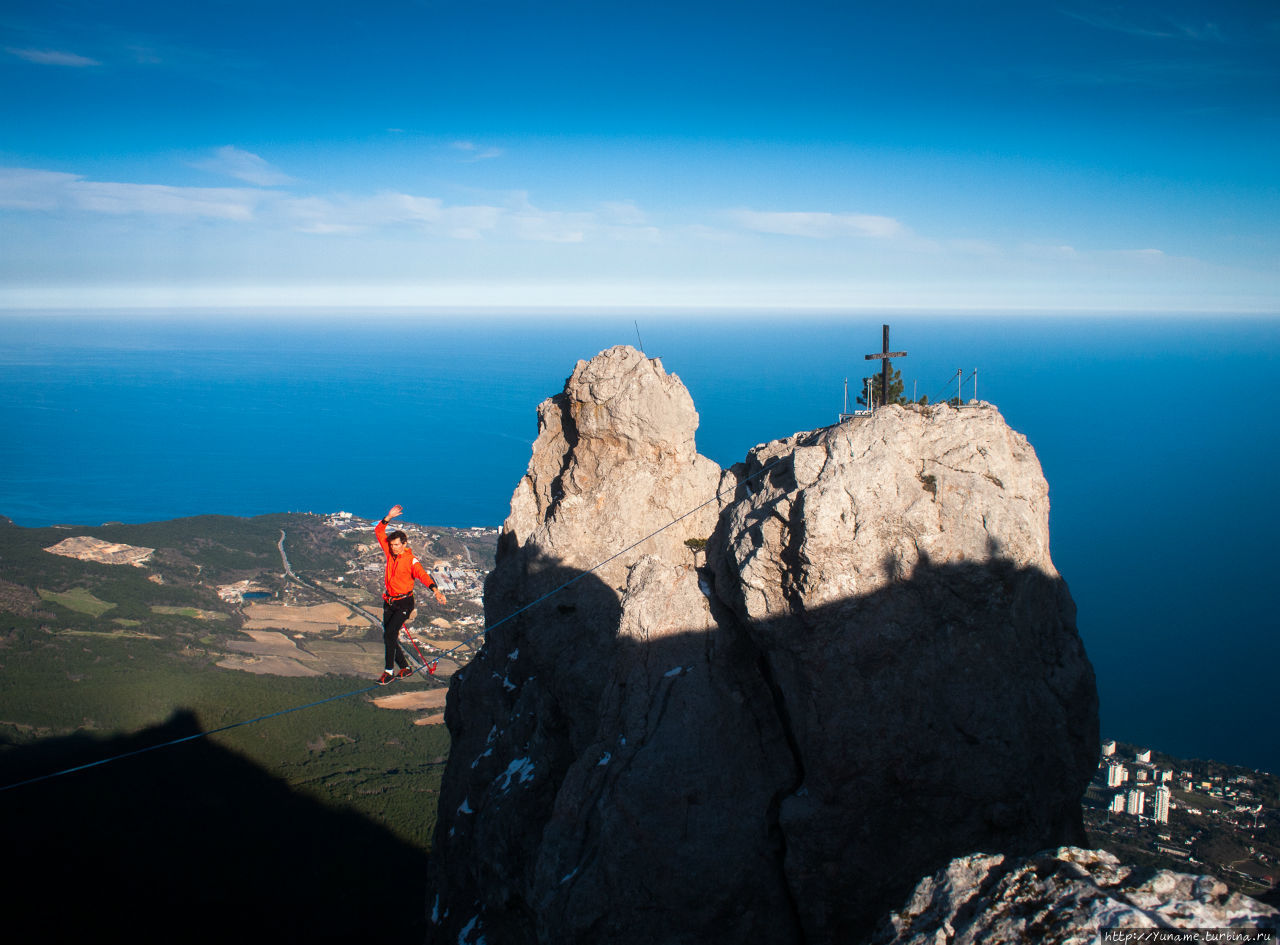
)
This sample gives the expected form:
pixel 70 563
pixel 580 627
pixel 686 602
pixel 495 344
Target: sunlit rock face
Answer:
pixel 1062 897
pixel 871 669
pixel 894 573
pixel 614 461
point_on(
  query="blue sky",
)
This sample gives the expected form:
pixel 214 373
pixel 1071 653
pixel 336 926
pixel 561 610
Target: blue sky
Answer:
pixel 990 155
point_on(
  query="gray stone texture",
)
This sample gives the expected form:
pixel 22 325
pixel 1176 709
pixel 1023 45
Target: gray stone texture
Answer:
pixel 873 668
pixel 1062 897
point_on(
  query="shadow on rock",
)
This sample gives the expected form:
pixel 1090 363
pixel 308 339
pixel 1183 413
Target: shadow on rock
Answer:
pixel 652 766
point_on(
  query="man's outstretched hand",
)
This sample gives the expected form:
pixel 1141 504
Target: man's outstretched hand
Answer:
pixel 439 596
pixel 395 512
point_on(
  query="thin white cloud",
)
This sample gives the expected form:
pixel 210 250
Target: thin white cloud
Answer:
pixel 346 214
pixel 888 242
pixel 224 203
pixel 514 217
pixel 145 55
pixel 243 165
pixel 528 222
pixel 326 228
pixel 24 188
pixel 550 227
pixel 1111 23
pixel 1097 258
pixel 623 212
pixel 819 225
pixel 342 214
pixel 470 222
pixel 53 57
pixel 1061 251
pixel 475 152
pixel 1207 32
pixel 517 218
pixel 1160 26
pixel 32 189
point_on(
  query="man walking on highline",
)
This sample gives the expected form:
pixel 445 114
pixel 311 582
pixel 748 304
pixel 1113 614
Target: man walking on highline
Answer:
pixel 397 600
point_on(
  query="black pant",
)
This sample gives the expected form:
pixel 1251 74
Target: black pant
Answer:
pixel 394 614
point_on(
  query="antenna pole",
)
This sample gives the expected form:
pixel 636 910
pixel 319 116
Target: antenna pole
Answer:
pixel 641 343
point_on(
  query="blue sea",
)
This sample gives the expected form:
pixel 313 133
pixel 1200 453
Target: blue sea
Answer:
pixel 1157 435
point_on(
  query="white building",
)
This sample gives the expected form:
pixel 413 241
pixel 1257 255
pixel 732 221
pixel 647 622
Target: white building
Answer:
pixel 1117 804
pixel 1136 802
pixel 1116 775
pixel 1166 776
pixel 1163 797
pixel 1108 749
pixel 1143 757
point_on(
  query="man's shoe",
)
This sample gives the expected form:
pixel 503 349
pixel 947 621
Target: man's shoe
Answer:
pixel 403 672
pixel 385 678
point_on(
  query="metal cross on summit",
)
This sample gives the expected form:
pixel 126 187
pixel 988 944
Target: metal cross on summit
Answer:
pixel 883 357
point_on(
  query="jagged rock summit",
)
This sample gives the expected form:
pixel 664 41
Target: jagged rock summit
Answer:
pixel 871 669
pixel 614 460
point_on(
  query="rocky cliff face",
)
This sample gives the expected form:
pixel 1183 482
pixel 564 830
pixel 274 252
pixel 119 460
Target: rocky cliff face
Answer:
pixel 1061 897
pixel 872 669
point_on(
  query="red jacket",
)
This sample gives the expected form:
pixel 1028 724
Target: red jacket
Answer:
pixel 402 569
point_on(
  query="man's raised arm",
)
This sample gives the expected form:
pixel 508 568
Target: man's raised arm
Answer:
pixel 380 530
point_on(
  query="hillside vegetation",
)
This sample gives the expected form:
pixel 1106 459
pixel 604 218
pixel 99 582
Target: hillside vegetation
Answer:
pixel 94 656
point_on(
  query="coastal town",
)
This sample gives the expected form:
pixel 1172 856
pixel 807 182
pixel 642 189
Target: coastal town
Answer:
pixel 1189 816
pixel 304 620
pixel 458 558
